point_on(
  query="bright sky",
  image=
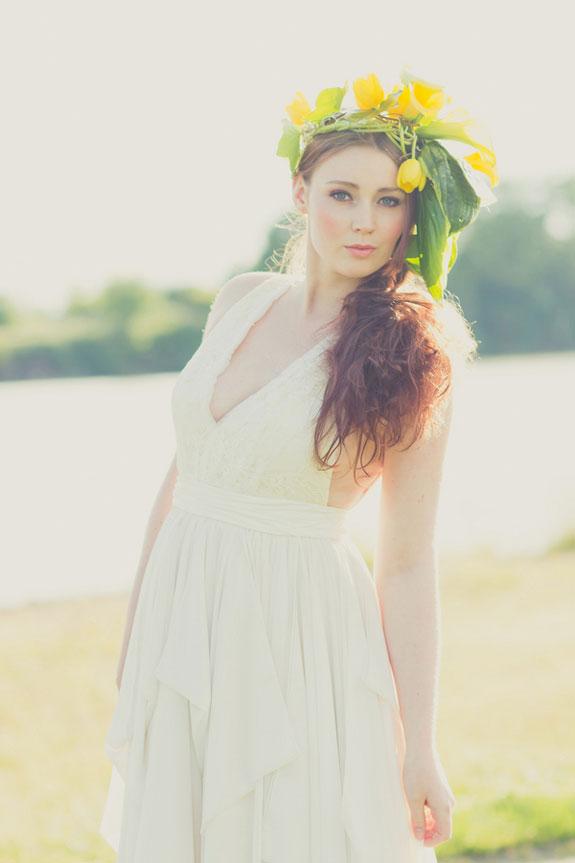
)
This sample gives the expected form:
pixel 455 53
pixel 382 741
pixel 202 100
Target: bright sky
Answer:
pixel 138 138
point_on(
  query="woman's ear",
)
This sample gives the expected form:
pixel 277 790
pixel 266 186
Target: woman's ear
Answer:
pixel 299 194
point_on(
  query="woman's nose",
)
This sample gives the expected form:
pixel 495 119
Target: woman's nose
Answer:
pixel 363 218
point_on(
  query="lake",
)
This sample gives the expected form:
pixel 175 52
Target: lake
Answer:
pixel 83 458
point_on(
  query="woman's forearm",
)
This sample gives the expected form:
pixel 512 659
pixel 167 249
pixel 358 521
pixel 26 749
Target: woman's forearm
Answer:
pixel 410 613
pixel 160 509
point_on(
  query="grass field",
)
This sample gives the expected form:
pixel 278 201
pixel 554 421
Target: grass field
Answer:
pixel 505 721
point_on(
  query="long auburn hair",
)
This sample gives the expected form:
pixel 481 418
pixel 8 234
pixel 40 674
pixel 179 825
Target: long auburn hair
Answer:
pixel 397 349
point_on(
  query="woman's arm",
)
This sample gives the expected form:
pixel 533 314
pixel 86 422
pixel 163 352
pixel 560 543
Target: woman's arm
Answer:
pixel 160 509
pixel 405 573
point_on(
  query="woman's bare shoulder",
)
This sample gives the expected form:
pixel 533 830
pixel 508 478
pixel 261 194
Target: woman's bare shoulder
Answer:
pixel 232 291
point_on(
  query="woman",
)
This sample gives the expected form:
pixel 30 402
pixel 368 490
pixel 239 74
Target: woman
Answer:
pixel 277 701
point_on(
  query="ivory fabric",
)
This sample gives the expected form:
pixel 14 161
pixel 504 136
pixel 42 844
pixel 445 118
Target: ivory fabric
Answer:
pixel 257 719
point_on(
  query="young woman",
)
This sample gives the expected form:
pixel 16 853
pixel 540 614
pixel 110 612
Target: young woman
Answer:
pixel 276 699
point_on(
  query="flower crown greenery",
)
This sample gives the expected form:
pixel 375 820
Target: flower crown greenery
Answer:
pixel 410 116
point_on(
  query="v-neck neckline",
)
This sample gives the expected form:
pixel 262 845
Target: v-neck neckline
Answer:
pixel 251 322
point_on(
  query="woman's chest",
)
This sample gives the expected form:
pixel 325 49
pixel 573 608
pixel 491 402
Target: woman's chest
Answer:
pixel 264 444
pixel 257 404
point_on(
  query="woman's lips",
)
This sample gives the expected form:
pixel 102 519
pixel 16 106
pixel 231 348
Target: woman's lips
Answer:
pixel 358 252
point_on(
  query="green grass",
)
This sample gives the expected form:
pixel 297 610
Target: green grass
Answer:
pixel 506 701
pixel 506 705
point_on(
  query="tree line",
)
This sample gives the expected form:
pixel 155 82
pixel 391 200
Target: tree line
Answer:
pixel 514 278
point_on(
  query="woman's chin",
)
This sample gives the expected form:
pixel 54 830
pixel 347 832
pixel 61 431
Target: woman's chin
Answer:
pixel 361 268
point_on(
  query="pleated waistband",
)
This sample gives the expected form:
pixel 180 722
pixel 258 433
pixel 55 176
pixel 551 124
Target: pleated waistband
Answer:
pixel 269 514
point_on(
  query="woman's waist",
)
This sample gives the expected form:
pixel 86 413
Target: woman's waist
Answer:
pixel 277 515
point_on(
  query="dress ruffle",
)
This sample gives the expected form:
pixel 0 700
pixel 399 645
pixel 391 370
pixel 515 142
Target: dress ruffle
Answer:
pixel 263 657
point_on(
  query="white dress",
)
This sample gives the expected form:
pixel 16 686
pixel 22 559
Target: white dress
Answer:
pixel 257 720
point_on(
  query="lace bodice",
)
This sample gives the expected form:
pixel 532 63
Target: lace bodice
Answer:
pixel 264 444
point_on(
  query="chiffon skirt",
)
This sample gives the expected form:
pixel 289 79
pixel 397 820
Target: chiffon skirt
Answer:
pixel 257 719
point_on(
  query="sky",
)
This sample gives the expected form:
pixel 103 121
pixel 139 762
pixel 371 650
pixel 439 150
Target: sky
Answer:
pixel 139 138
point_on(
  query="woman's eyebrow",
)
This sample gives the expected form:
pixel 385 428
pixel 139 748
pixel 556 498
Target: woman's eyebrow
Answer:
pixel 355 186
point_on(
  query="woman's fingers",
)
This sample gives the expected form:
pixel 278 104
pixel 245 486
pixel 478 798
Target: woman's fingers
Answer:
pixel 422 819
pixel 430 799
pixel 438 827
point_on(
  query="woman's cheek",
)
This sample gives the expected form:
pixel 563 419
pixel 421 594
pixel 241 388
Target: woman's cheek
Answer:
pixel 399 221
pixel 329 224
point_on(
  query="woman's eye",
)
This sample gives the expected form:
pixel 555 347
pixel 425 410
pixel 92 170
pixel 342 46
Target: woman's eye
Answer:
pixel 338 192
pixel 396 201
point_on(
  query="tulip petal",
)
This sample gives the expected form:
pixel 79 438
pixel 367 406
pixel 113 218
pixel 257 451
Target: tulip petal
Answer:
pixel 485 163
pixel 409 175
pixel 298 108
pixel 368 91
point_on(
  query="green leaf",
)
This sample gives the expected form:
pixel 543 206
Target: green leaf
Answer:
pixel 413 264
pixel 412 254
pixel 453 255
pixel 448 259
pixel 436 290
pixel 412 250
pixel 288 144
pixel 328 102
pixel 456 195
pixel 432 233
pixel 362 113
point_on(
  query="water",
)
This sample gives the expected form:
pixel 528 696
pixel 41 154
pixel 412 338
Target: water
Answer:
pixel 82 460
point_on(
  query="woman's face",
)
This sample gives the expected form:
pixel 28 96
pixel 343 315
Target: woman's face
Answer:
pixel 352 199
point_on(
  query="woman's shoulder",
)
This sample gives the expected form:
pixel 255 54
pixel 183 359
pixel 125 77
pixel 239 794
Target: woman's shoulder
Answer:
pixel 232 291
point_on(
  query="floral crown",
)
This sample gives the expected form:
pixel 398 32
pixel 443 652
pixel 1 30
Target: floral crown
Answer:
pixel 410 115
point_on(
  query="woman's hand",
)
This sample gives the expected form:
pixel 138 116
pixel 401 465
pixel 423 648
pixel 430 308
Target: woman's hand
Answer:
pixel 430 798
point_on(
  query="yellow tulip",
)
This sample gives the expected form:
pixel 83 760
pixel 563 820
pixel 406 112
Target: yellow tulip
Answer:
pixel 368 92
pixel 404 105
pixel 411 175
pixel 299 109
pixel 485 162
pixel 431 98
pixel 419 98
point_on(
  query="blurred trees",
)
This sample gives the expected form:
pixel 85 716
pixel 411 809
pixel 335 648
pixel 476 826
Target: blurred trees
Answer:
pixel 514 278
